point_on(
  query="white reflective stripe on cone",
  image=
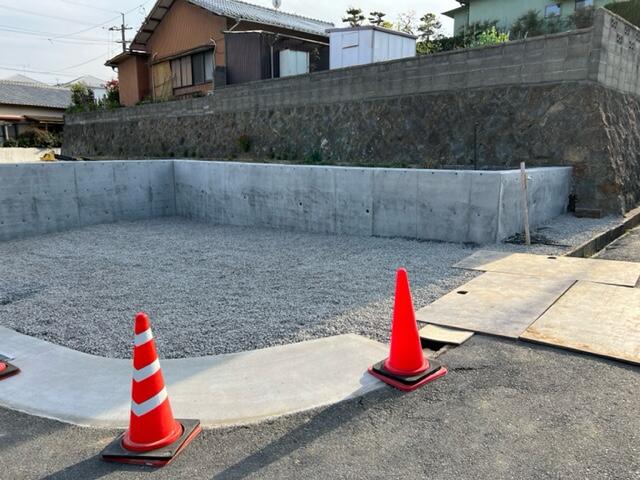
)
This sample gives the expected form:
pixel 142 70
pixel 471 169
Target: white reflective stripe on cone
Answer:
pixel 140 409
pixel 146 372
pixel 142 338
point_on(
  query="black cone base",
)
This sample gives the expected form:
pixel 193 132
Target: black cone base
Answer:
pixel 115 452
pixel 410 383
pixel 7 370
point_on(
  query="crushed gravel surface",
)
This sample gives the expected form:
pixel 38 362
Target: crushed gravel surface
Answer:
pixel 216 289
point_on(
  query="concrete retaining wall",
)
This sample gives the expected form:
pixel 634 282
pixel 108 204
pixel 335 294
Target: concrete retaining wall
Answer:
pixel 49 197
pixel 446 205
pixel 455 206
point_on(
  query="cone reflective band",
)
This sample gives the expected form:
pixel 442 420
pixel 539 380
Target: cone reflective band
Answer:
pixel 152 425
pixel 7 370
pixel 406 368
pixel 154 437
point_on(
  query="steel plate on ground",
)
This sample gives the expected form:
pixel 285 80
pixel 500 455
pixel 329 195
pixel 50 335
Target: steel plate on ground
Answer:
pixel 585 269
pixel 593 318
pixel 496 303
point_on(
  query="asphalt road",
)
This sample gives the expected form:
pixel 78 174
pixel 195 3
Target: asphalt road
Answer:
pixel 507 410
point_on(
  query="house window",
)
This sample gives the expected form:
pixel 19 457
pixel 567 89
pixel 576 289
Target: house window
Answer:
pixel 192 70
pixel 583 4
pixel 552 10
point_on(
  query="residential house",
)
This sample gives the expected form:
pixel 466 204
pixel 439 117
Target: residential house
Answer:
pixel 94 83
pixel 24 105
pixel 190 47
pixel 506 12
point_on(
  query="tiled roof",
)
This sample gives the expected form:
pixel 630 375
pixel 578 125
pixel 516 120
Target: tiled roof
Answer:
pixel 33 95
pixel 236 10
pixel 268 16
pixel 89 80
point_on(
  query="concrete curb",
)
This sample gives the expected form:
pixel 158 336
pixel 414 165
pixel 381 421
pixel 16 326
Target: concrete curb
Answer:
pixel 599 242
pixel 236 389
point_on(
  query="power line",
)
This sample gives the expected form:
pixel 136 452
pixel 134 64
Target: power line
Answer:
pixel 48 36
pixel 44 15
pixel 24 70
pixel 80 4
pixel 56 72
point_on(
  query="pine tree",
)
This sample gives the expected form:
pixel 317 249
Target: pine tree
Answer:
pixel 377 19
pixel 355 17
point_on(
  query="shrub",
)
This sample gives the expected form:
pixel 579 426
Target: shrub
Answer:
pixel 82 98
pixel 630 10
pixel 582 18
pixel 244 143
pixel 490 37
pixel 112 98
pixel 35 138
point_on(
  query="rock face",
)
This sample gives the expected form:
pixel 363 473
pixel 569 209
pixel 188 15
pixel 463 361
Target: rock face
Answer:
pixel 594 129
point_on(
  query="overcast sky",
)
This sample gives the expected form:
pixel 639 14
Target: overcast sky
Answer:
pixel 55 41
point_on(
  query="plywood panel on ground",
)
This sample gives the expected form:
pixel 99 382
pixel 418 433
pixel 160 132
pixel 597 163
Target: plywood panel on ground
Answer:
pixel 594 318
pixel 496 303
pixel 437 333
pixel 591 270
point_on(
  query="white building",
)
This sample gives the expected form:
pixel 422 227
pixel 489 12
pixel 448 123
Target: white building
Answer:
pixel 368 44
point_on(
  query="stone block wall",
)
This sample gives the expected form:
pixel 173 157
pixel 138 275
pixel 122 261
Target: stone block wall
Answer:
pixel 546 100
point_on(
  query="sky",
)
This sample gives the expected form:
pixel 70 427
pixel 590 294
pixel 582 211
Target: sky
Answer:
pixel 56 41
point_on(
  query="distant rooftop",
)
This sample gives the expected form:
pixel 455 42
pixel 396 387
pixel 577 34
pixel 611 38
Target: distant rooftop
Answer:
pixel 33 95
pixel 23 79
pixel 236 10
pixel 89 80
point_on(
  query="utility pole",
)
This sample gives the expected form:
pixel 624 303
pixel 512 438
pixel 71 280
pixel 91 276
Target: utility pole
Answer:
pixel 123 30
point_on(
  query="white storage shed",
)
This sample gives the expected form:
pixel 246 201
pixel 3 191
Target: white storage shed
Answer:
pixel 368 44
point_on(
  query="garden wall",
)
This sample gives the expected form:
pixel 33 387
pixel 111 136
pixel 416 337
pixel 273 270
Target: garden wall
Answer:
pixel 567 99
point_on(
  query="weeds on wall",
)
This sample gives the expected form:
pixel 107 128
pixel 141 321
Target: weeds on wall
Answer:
pixel 243 142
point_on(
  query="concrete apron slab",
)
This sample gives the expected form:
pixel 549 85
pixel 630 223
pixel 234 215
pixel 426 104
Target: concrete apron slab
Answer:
pixel 74 387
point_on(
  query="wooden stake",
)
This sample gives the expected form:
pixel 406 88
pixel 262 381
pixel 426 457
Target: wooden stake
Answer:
pixel 525 202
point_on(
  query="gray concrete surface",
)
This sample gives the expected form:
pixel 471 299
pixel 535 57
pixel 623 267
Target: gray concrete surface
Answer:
pixel 236 389
pixel 506 410
pixel 626 248
pixel 454 206
pixel 445 205
pixel 51 197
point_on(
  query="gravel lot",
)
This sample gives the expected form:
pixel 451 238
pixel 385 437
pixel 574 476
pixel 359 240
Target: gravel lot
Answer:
pixel 213 289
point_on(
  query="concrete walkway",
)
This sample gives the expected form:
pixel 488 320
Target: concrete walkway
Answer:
pixel 236 389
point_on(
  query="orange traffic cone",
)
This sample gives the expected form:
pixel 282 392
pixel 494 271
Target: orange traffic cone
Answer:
pixel 7 370
pixel 406 368
pixel 154 437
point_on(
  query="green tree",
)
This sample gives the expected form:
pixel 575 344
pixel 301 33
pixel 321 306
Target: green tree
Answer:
pixel 429 26
pixel 377 18
pixel 82 98
pixel 354 17
pixel 530 24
